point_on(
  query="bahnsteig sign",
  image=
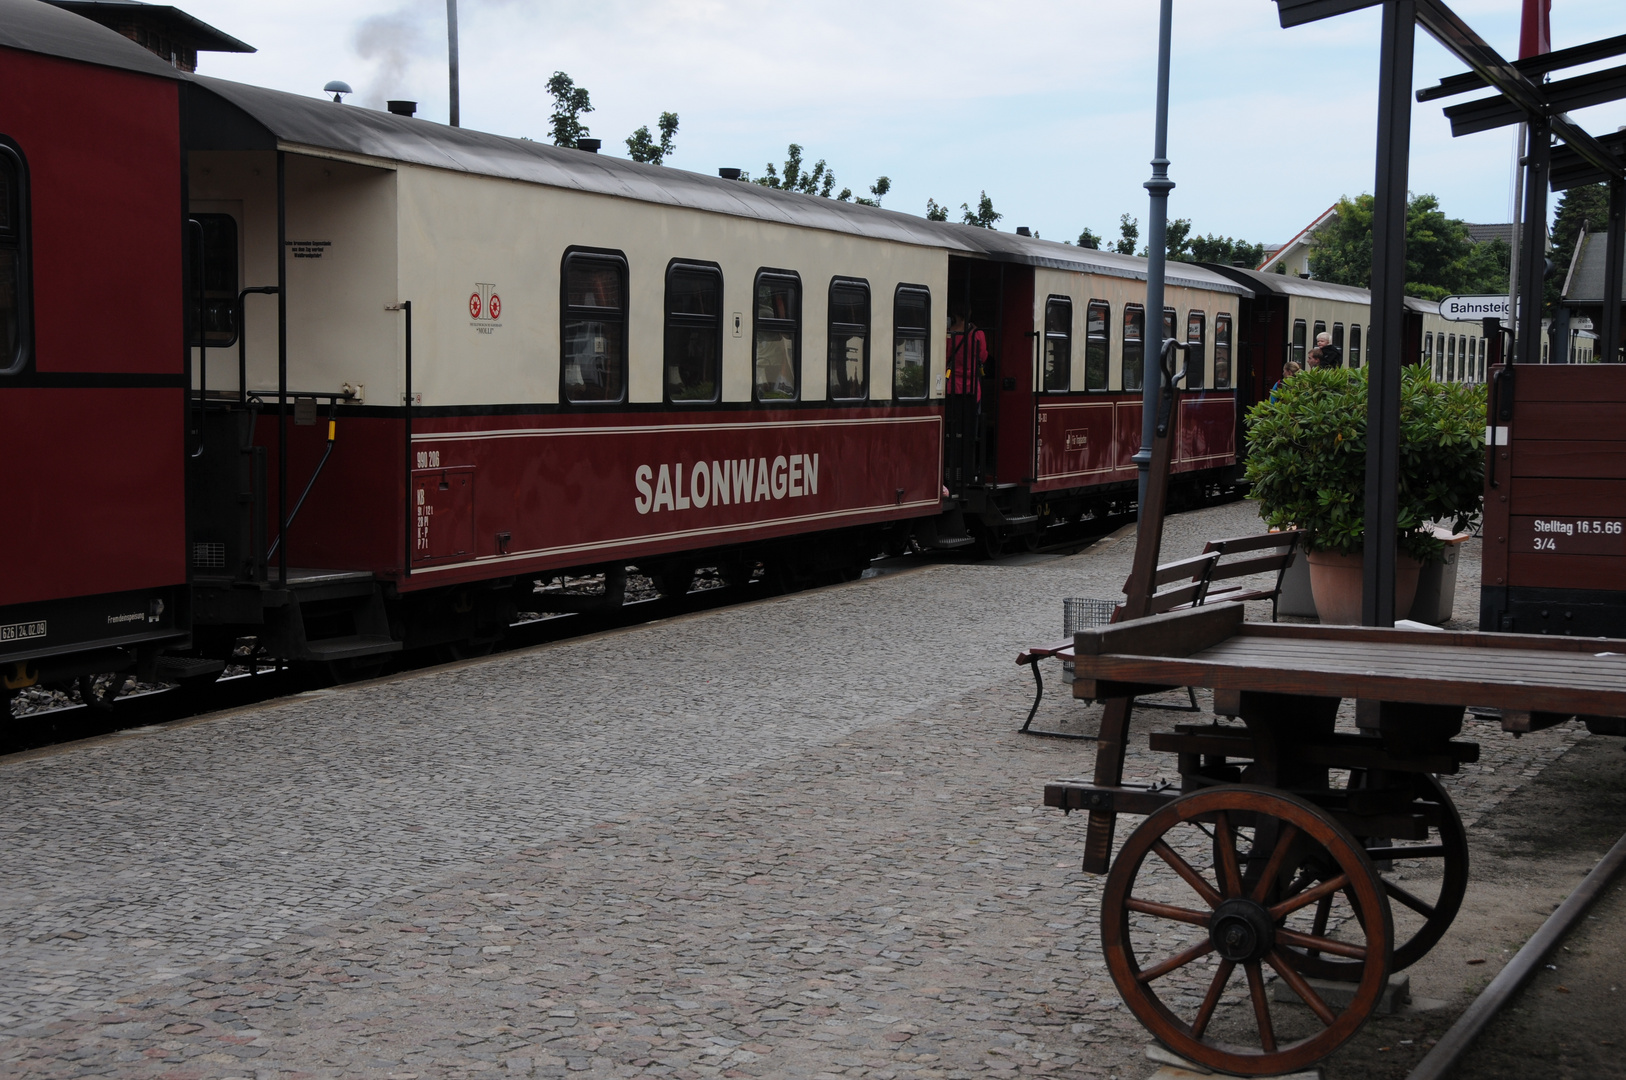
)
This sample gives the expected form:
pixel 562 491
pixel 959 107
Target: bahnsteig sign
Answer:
pixel 1474 308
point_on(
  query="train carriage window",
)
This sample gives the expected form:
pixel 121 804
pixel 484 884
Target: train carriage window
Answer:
pixel 14 297
pixel 1058 343
pixel 1355 345
pixel 1450 358
pixel 1169 315
pixel 1298 349
pixel 594 326
pixel 1320 328
pixel 776 352
pixel 1428 351
pixel 1481 359
pixel 694 332
pixel 1134 346
pixel 215 242
pixel 1222 352
pixel 1097 344
pixel 911 359
pixel 1338 338
pixel 1196 350
pixel 849 339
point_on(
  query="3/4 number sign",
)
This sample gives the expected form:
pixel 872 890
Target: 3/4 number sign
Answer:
pixel 1569 535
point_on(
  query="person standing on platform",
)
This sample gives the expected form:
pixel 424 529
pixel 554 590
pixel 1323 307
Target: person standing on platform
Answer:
pixel 967 354
pixel 1331 355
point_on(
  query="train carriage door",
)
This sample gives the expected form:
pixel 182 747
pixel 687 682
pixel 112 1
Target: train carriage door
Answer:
pixel 973 376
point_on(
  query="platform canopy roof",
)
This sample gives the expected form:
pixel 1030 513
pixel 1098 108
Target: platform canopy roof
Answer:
pixel 1584 284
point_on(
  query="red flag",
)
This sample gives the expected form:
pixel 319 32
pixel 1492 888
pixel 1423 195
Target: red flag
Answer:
pixel 1536 28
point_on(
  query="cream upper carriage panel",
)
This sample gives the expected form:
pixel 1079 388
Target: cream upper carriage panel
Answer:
pixel 1084 274
pixel 471 236
pixel 341 271
pixel 476 206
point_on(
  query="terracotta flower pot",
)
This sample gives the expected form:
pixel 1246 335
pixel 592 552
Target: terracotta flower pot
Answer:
pixel 1335 582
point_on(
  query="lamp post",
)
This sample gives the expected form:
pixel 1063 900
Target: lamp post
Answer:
pixel 1156 240
pixel 451 58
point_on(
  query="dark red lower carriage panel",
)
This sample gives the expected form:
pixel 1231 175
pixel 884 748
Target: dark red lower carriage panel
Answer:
pixel 102 508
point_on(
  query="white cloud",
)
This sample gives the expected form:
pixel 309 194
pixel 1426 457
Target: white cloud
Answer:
pixel 1045 104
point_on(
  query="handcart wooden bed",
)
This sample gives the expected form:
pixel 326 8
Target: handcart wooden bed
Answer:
pixel 1281 846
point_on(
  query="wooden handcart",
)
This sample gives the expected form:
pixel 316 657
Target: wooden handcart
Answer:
pixel 1289 847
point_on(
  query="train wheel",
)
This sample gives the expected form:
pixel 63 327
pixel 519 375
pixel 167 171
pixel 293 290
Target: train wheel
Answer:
pixel 1245 917
pixel 1425 882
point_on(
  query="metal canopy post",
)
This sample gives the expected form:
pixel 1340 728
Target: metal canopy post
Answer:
pixel 1614 250
pixel 282 369
pixel 1533 261
pixel 1388 312
pixel 1156 241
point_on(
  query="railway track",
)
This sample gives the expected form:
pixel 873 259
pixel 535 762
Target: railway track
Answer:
pixel 145 707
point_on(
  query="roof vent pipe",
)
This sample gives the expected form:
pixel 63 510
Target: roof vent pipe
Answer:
pixel 729 174
pixel 590 145
pixel 402 108
pixel 1023 230
pixel 338 89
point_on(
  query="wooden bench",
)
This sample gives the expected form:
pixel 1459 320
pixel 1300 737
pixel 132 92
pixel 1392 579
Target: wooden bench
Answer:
pixel 1192 582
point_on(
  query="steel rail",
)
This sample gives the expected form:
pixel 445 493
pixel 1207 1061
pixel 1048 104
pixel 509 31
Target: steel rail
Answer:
pixel 1530 67
pixel 1446 27
pixel 1439 1061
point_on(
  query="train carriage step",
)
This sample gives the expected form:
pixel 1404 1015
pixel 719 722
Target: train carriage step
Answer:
pixel 187 668
pixel 349 648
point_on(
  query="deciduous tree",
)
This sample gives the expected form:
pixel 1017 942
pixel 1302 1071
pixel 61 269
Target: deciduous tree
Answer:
pixel 641 146
pixel 983 216
pixel 1440 257
pixel 1129 233
pixel 570 104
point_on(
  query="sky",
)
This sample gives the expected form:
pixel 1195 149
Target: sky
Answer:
pixel 1046 105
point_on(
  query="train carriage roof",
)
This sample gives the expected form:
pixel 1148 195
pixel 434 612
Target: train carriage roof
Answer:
pixel 1269 284
pixel 219 114
pixel 32 26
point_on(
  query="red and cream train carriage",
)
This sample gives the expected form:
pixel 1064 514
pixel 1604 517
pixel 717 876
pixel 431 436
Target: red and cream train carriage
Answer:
pixel 501 360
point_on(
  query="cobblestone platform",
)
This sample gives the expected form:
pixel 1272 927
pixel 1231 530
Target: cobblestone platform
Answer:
pixel 796 838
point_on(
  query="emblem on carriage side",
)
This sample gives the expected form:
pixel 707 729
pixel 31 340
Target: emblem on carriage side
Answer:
pixel 485 307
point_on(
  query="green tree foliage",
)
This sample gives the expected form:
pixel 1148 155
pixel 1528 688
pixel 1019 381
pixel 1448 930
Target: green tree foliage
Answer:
pixel 1174 234
pixel 1226 252
pixel 570 104
pixel 820 180
pixel 1440 259
pixel 1307 457
pixel 1088 239
pixel 1129 230
pixel 641 146
pixel 934 212
pixel 983 216
pixel 1579 207
pixel 877 190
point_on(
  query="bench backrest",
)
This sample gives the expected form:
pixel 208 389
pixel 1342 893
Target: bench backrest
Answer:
pixel 1199 572
pixel 1281 545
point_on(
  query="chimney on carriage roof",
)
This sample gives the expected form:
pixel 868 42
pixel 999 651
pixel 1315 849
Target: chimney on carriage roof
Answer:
pixel 402 108
pixel 167 31
pixel 1023 230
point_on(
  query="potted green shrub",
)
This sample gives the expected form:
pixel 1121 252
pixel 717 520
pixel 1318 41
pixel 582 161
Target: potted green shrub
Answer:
pixel 1307 468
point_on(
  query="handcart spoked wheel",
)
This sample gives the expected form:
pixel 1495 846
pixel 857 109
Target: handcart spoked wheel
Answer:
pixel 1232 892
pixel 1425 882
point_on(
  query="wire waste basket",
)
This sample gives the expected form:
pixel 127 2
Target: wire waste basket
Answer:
pixel 1081 613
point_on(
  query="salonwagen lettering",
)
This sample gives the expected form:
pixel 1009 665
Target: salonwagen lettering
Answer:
pixel 679 486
